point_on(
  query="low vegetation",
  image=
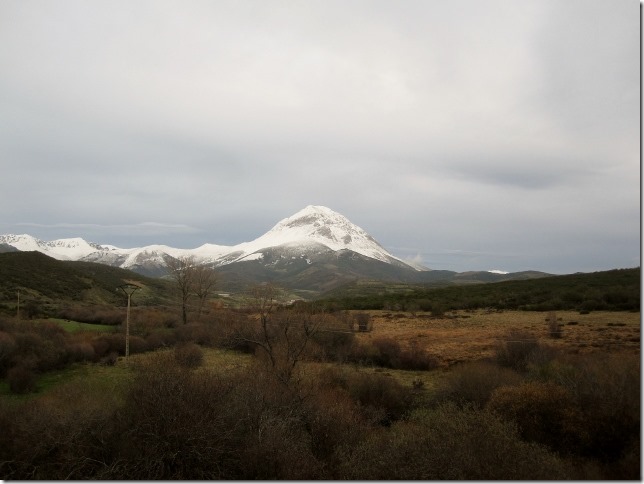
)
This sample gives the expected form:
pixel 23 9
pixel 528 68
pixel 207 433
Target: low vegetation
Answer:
pixel 311 392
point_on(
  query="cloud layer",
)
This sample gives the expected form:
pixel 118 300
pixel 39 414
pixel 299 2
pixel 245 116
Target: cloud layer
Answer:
pixel 465 135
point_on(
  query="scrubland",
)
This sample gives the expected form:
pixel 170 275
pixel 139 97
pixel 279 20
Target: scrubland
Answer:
pixel 299 394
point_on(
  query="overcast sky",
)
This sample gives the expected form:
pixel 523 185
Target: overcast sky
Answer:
pixel 467 135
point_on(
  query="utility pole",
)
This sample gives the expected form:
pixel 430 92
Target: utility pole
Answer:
pixel 128 289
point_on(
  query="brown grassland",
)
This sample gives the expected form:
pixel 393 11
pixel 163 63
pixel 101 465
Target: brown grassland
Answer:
pixel 472 335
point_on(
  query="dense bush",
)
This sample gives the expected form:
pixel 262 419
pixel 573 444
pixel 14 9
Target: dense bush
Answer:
pixel 544 413
pixel 515 350
pixel 388 352
pixel 607 390
pixel 64 435
pixel 473 383
pixel 195 425
pixel 7 348
pixel 381 397
pixel 188 355
pixel 334 345
pixel 93 314
pixel 199 333
pixel 449 443
pixel 21 379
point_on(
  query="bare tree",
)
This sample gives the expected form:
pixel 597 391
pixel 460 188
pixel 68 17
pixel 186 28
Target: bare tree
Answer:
pixel 282 336
pixel 205 281
pixel 264 300
pixel 182 271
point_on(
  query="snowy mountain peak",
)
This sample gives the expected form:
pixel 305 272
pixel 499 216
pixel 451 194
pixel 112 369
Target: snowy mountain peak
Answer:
pixel 321 225
pixel 22 242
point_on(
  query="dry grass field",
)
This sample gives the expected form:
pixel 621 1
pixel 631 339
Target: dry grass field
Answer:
pixel 471 335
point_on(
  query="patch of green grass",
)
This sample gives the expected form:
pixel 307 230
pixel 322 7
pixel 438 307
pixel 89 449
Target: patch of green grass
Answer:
pixel 101 377
pixel 224 360
pixel 75 326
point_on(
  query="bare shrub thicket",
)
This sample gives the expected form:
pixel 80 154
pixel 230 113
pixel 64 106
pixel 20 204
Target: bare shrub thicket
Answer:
pixel 452 443
pixel 555 330
pixel 607 390
pixel 473 382
pixel 388 352
pixel 382 398
pixel 515 349
pixel 21 379
pixel 93 314
pixel 280 338
pixel 189 355
pixel 178 424
pixel 544 412
pixel 64 435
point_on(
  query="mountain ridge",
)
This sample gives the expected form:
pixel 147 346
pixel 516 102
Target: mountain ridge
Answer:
pixel 313 250
pixel 312 225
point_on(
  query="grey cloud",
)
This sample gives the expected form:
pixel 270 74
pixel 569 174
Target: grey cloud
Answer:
pixel 490 126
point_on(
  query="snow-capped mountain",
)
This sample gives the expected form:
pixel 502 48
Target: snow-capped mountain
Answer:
pixel 310 233
pixel 319 225
pixel 61 249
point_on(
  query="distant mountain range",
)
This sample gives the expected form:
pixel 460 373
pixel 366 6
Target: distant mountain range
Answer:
pixel 315 249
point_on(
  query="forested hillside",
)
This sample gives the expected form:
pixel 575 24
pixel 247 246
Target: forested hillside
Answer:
pixel 614 290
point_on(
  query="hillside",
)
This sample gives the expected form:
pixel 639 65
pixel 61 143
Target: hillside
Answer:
pixel 46 280
pixel 617 289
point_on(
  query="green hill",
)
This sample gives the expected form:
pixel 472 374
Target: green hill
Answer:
pixel 612 290
pixel 49 281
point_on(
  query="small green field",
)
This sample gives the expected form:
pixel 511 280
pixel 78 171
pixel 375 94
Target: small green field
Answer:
pixel 110 379
pixel 76 326
pixel 115 378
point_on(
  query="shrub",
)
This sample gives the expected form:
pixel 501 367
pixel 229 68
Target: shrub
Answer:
pixel 110 359
pixel 188 355
pixel 334 420
pixel 63 435
pixel 110 343
pixel 415 358
pixel 335 345
pixel 387 352
pixel 21 379
pixel 363 321
pixel 178 424
pixel 607 390
pixel 515 349
pixel 424 304
pixel 160 338
pixel 382 396
pixel 554 329
pixel 449 443
pixel 7 348
pixel 101 347
pixel 138 344
pixel 473 383
pixel 438 310
pixel 544 412
pixel 196 333
pixel 81 351
pixel 93 314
